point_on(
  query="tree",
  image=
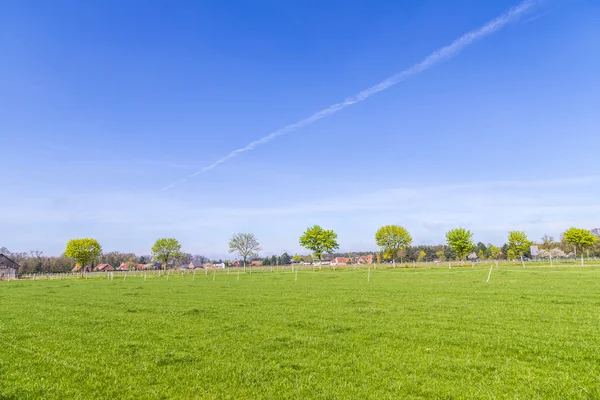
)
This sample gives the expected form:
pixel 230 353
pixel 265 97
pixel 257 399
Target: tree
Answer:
pixel 297 258
pixel 246 245
pixel 579 238
pixel 165 250
pixel 547 242
pixel 274 260
pixel 519 244
pixel 481 249
pixel 481 255
pixel 392 238
pixel 199 259
pixel 440 255
pixel 421 256
pixel 510 254
pixel 285 259
pixel 266 261
pixel 319 241
pixel 461 241
pixel 84 251
pixel 493 251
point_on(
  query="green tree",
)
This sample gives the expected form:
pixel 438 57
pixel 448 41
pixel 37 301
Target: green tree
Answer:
pixel 84 251
pixel 319 241
pixel 440 255
pixel 493 251
pixel 285 259
pixel 274 260
pixel 166 250
pixel 460 240
pixel 297 258
pixel 421 256
pixel 519 244
pixel 510 254
pixel 246 245
pixel 579 238
pixel 266 261
pixel 480 248
pixel 392 238
pixel 481 254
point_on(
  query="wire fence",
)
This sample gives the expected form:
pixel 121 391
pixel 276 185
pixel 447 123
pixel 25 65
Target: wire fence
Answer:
pixel 174 273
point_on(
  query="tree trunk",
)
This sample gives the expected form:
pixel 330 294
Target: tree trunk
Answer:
pixel 582 258
pixel 522 261
pixel 244 265
pixel 394 261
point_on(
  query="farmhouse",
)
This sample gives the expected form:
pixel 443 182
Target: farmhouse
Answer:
pixel 104 267
pixel 340 261
pixel 8 268
pixel 365 259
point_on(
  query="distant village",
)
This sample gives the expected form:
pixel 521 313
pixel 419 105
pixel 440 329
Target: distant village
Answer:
pixel 280 261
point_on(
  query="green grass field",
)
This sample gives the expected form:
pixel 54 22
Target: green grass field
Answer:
pixel 408 333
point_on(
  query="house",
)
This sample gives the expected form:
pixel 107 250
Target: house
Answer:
pixel 256 263
pixel 125 267
pixel 104 268
pixel 207 265
pixel 218 264
pixel 365 259
pixel 340 261
pixel 236 264
pixel 473 257
pixel 8 268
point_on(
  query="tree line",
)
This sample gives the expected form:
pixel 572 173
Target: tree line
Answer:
pixel 394 242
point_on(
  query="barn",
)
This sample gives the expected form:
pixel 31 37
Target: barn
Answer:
pixel 8 268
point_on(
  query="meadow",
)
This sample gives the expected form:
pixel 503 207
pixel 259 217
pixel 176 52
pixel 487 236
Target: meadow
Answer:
pixel 530 333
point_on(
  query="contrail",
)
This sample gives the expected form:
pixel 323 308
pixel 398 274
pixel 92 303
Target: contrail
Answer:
pixel 431 60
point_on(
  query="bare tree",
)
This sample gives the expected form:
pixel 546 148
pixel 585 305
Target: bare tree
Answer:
pixel 547 242
pixel 246 245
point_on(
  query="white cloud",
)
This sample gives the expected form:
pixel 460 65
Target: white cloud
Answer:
pixel 131 221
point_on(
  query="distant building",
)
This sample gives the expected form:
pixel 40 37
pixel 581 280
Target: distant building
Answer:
pixel 365 259
pixel 104 267
pixel 340 260
pixel 218 264
pixel 8 268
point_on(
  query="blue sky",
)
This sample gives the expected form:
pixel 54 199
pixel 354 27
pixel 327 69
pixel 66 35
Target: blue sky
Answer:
pixel 102 104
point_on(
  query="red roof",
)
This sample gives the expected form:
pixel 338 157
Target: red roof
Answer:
pixel 104 267
pixel 340 260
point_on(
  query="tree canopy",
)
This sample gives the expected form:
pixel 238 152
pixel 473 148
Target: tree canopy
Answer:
pixel 245 244
pixel 84 251
pixel 391 238
pixel 319 240
pixel 165 250
pixel 460 240
pixel 518 243
pixel 493 251
pixel 580 238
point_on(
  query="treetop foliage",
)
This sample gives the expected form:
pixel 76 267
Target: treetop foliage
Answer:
pixel 84 251
pixel 392 238
pixel 319 240
pixel 461 241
